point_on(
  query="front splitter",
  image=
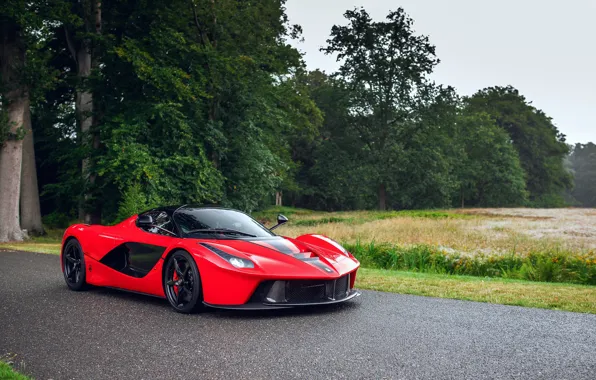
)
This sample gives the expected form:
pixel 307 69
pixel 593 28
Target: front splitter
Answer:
pixel 270 306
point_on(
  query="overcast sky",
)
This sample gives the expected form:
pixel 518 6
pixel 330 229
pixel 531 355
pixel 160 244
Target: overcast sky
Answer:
pixel 544 48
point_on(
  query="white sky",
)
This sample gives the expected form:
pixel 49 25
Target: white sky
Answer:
pixel 544 48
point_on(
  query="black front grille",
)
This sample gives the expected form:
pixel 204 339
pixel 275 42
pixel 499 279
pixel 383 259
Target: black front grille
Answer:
pixel 302 291
pixel 305 291
pixel 342 287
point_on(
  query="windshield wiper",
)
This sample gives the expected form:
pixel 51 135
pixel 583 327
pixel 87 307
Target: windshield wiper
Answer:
pixel 220 230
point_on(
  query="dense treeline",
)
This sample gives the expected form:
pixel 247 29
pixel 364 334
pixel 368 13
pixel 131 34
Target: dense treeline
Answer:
pixel 134 103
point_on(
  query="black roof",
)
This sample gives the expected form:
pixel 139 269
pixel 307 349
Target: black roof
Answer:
pixel 173 208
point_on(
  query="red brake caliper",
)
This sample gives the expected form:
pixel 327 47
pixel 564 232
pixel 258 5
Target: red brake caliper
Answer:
pixel 175 278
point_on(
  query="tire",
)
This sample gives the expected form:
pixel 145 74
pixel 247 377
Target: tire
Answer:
pixel 73 264
pixel 182 283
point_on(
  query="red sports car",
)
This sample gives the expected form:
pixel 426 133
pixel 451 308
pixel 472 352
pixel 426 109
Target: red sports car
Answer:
pixel 197 256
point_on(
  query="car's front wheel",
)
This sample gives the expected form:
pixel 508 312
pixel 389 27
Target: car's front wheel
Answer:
pixel 182 283
pixel 73 264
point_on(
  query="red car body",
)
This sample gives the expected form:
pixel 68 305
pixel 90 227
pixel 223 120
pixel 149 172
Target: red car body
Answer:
pixel 128 257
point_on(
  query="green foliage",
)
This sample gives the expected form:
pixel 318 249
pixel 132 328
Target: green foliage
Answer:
pixel 269 215
pixel 540 145
pixel 208 102
pixel 56 220
pixel 197 106
pixel 135 200
pixel 315 222
pixel 7 373
pixel 490 173
pixel 583 163
pixel 552 266
pixel 4 126
pixel 385 68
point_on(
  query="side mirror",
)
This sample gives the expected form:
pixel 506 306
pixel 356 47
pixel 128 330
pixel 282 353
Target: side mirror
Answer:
pixel 145 221
pixel 280 220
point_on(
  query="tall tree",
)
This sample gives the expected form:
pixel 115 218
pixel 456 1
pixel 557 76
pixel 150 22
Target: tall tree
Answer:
pixel 387 66
pixel 30 207
pixel 489 172
pixel 540 145
pixel 82 28
pixel 14 95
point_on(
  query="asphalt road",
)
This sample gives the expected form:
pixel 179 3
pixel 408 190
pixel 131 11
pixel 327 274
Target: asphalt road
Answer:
pixel 106 334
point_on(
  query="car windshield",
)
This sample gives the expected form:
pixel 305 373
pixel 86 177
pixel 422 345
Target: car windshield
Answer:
pixel 208 222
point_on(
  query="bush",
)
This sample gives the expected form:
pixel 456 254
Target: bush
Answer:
pixel 546 267
pixel 135 201
pixel 316 222
pixel 56 220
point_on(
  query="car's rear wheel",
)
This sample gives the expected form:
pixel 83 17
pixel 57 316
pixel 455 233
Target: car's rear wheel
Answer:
pixel 73 262
pixel 182 283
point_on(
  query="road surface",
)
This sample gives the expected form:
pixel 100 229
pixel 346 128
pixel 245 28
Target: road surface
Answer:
pixel 106 334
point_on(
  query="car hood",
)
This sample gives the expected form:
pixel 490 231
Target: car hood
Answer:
pixel 277 252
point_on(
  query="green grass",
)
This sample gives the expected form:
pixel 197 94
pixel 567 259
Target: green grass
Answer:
pixel 568 297
pixel 48 243
pixel 7 373
pixel 270 215
pixel 316 222
pixel 355 217
pixel 550 266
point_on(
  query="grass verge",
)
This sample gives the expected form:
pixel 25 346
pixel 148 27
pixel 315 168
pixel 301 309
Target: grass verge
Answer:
pixel 550 266
pixel 7 373
pixel 52 248
pixel 577 298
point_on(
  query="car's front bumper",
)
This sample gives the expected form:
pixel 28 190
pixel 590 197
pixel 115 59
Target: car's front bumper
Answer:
pixel 295 293
pixel 269 306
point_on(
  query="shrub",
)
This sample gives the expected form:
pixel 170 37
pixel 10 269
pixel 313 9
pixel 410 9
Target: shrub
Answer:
pixel 56 220
pixel 545 266
pixel 315 222
pixel 134 201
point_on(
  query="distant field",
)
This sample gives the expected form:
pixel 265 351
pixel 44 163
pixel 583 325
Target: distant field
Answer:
pixel 467 231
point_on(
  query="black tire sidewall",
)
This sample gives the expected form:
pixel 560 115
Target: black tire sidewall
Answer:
pixel 196 303
pixel 81 284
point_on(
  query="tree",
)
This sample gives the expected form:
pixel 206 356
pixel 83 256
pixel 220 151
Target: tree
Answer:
pixel 540 145
pixel 386 67
pixel 331 162
pixel 583 162
pixel 81 28
pixel 193 102
pixel 489 173
pixel 30 207
pixel 14 97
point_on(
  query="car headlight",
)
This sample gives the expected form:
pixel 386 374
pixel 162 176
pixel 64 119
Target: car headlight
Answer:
pixel 237 262
pixel 241 263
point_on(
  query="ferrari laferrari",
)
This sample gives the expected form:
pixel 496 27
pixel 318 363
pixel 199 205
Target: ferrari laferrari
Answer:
pixel 208 256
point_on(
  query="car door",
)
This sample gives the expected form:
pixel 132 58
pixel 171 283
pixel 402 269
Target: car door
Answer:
pixel 139 251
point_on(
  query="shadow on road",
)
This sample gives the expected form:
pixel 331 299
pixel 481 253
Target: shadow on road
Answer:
pixel 137 298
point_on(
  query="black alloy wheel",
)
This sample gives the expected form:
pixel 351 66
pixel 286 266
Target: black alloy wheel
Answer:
pixel 182 283
pixel 73 264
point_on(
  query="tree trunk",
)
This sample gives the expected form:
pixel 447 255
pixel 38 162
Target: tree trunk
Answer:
pixel 382 197
pixel 85 115
pixel 30 210
pixel 278 198
pixel 84 111
pixel 12 58
pixel 462 197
